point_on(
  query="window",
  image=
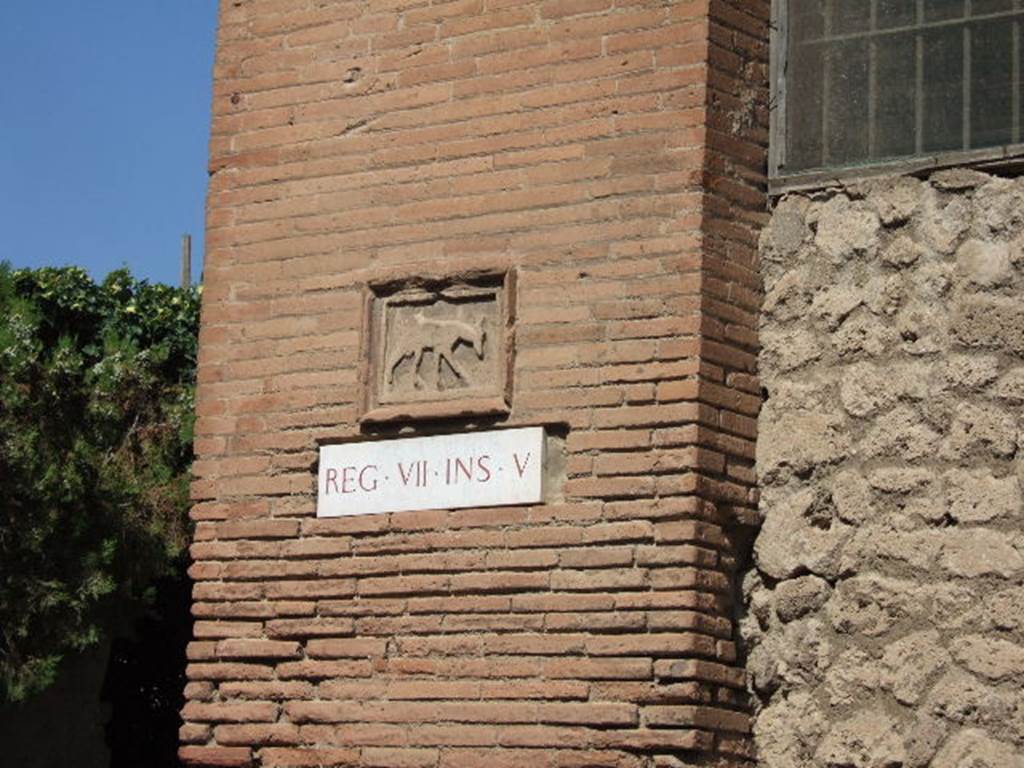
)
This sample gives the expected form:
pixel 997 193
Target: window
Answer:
pixel 863 82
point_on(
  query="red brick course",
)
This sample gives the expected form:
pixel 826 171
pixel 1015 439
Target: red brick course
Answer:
pixel 611 152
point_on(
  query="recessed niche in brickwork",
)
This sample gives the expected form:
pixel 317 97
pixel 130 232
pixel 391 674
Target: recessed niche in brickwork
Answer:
pixel 438 348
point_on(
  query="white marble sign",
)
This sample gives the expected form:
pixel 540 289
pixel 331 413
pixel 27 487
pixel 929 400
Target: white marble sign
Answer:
pixel 476 469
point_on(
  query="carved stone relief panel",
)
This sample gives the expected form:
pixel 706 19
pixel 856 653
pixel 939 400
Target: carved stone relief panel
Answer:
pixel 438 348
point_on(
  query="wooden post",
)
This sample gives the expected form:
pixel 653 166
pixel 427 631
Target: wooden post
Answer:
pixel 186 261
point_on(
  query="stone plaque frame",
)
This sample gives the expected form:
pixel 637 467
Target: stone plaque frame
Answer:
pixel 459 335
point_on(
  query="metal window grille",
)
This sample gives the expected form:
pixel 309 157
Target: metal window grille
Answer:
pixel 861 82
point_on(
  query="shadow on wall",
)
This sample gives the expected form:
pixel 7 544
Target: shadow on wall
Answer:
pixel 115 705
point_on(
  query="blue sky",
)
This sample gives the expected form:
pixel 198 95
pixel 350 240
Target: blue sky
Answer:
pixel 104 124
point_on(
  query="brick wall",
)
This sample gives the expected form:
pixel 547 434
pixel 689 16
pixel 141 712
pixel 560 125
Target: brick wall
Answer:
pixel 607 150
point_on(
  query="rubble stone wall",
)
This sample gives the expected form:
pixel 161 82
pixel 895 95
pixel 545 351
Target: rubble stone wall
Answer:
pixel 886 609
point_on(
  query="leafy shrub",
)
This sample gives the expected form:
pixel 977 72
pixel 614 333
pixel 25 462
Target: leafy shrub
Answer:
pixel 97 385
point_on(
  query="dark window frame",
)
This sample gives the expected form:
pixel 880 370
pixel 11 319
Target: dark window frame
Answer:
pixel 1007 157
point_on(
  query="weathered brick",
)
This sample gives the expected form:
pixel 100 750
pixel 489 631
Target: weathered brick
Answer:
pixel 282 757
pixel 231 712
pixel 216 757
pixel 257 649
pixel 257 735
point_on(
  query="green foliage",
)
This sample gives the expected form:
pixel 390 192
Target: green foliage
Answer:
pixel 97 386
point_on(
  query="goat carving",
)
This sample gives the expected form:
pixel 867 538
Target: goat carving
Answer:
pixel 442 337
